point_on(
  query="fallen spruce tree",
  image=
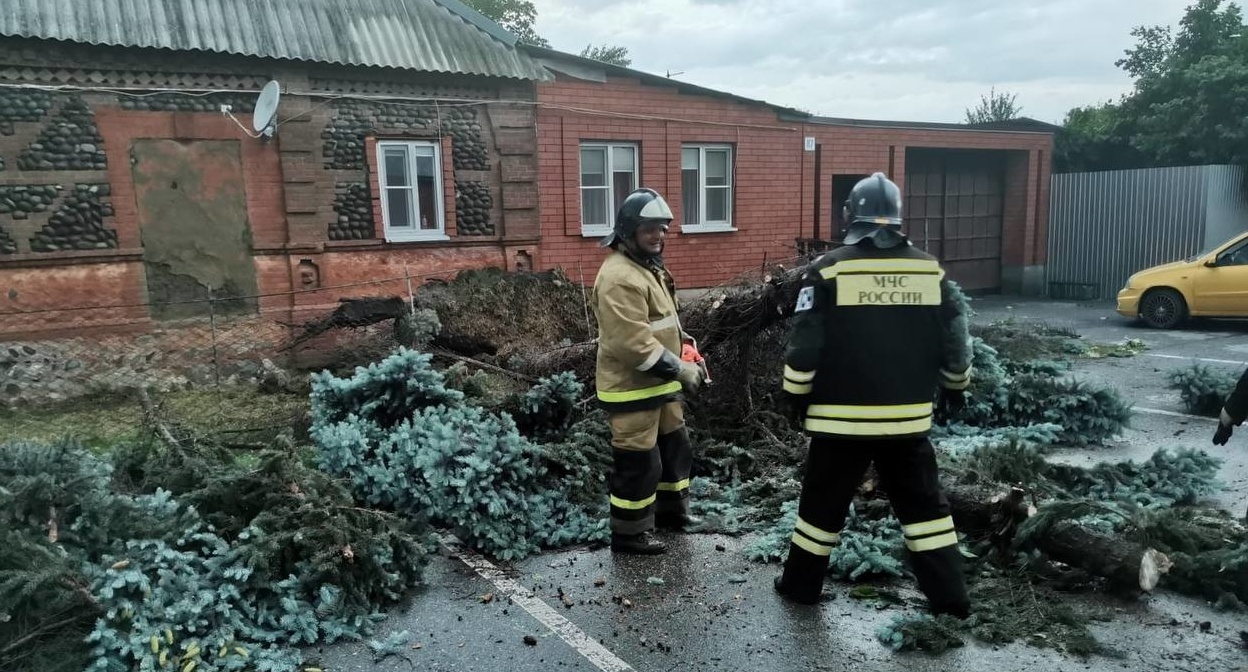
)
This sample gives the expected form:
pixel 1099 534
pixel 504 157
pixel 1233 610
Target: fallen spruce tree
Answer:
pixel 474 432
pixel 748 458
pixel 1204 389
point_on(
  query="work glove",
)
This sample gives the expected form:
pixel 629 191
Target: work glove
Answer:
pixel 689 353
pixel 1225 428
pixel 690 377
pixel 952 401
pixel 793 407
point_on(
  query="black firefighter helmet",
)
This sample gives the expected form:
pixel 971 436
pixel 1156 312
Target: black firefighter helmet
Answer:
pixel 873 210
pixel 640 207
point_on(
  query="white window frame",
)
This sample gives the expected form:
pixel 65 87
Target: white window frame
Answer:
pixel 703 225
pixel 600 230
pixel 414 234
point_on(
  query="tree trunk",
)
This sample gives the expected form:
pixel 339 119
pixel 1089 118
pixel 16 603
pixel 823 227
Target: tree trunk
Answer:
pixel 997 510
pixel 352 313
pixel 1126 564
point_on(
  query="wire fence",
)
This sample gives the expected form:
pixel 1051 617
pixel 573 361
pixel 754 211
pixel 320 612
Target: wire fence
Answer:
pixel 226 368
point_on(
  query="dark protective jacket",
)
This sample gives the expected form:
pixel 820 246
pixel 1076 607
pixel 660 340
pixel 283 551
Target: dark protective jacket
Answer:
pixel 875 333
pixel 639 335
pixel 1236 404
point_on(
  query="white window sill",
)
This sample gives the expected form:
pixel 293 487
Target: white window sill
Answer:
pixel 707 228
pixel 417 238
pixel 595 233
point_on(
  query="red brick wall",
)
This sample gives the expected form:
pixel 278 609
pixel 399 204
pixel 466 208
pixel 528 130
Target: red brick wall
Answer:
pixel 291 186
pixel 103 293
pixel 774 183
pixel 768 164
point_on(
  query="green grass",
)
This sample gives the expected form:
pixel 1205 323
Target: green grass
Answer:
pixel 1038 341
pixel 1128 347
pixel 102 421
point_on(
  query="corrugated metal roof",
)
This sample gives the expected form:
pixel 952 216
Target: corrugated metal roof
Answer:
pixel 586 69
pixel 1020 125
pixel 553 59
pixel 427 35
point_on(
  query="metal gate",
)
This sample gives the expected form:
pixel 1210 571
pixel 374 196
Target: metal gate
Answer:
pixel 1105 226
pixel 954 210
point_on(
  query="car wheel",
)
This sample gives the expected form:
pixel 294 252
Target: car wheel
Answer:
pixel 1163 309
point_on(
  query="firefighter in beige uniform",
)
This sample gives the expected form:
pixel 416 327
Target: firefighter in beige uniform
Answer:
pixel 876 331
pixel 640 378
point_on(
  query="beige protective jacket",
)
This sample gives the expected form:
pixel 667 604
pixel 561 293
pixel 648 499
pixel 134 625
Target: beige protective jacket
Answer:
pixel 637 324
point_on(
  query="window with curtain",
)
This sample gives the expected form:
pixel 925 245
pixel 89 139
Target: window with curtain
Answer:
pixel 410 174
pixel 609 172
pixel 706 187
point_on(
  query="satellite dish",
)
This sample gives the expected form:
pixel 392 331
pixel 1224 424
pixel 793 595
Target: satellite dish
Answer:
pixel 265 117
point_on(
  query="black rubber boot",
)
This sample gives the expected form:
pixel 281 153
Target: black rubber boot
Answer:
pixel 780 587
pixel 638 544
pixel 940 576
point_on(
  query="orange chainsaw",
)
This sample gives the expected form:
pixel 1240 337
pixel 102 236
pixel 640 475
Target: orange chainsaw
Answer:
pixel 689 353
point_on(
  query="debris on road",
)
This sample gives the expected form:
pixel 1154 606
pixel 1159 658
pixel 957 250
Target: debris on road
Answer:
pixel 481 424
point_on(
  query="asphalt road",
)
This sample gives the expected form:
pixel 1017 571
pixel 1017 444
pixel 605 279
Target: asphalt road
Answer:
pixel 1160 420
pixel 705 606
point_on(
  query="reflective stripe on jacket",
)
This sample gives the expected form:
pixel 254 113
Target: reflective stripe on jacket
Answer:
pixel 637 323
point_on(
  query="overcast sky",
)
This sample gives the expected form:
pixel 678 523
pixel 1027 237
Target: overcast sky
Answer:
pixel 919 60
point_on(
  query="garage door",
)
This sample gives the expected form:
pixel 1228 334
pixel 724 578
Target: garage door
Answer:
pixel 953 209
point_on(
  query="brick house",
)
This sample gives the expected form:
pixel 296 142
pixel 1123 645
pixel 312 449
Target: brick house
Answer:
pixel 749 181
pixel 128 196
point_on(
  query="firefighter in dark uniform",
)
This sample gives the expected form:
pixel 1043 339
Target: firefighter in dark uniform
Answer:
pixel 1234 411
pixel 640 378
pixel 876 332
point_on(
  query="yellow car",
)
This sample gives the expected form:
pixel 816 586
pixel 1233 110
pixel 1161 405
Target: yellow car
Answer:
pixel 1211 284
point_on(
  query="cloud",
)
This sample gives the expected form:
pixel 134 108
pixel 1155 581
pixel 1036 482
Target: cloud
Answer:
pixel 922 60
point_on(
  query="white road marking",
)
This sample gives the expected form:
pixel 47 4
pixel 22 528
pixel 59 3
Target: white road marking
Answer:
pixel 1158 411
pixel 544 613
pixel 1199 359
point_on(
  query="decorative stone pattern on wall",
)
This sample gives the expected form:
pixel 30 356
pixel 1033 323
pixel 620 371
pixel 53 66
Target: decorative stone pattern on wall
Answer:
pixel 79 223
pixel 179 102
pixel 22 105
pixel 20 202
pixel 344 137
pixel 473 204
pixel 344 150
pixel 70 141
pixel 7 246
pixel 355 213
pixel 465 128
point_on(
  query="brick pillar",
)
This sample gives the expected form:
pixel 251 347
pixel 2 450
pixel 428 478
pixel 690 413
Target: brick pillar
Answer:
pixel 1025 222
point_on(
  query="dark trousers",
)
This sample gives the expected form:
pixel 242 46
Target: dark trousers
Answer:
pixel 907 471
pixel 651 463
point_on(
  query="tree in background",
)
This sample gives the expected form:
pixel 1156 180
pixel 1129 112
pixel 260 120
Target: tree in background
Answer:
pixel 608 54
pixel 994 107
pixel 1187 105
pixel 518 17
pixel 1093 138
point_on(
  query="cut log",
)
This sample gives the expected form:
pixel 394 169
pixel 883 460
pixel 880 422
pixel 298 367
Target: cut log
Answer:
pixel 1125 564
pixel 987 510
pixel 996 511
